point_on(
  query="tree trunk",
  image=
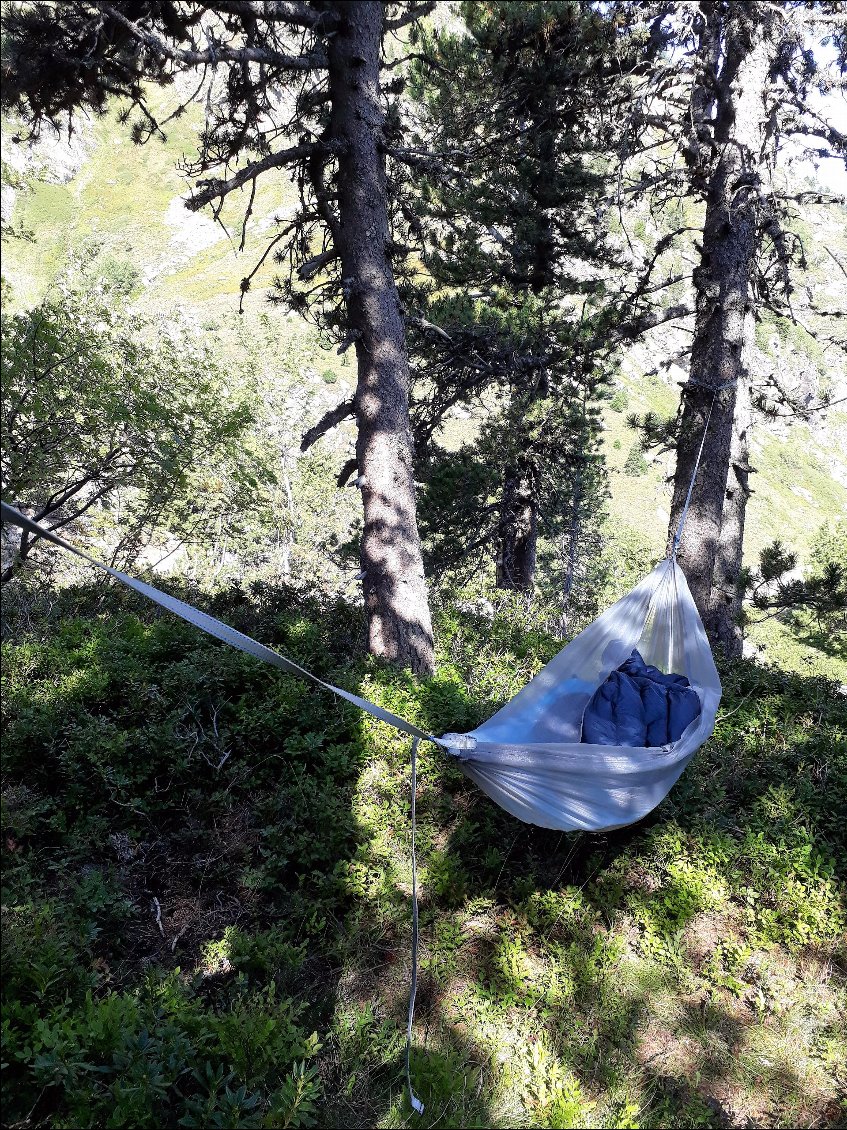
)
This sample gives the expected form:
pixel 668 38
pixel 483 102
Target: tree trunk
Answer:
pixel 519 505
pixel 573 536
pixel 726 598
pixel 723 283
pixel 19 556
pixel 518 530
pixel 399 625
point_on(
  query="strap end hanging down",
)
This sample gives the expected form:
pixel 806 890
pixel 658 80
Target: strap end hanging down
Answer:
pixel 415 1102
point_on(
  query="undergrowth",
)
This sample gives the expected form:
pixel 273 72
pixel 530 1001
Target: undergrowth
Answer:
pixel 206 894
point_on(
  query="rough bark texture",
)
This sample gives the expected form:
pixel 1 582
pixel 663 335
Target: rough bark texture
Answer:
pixel 399 625
pixel 723 283
pixel 573 535
pixel 518 531
pixel 726 597
pixel 18 556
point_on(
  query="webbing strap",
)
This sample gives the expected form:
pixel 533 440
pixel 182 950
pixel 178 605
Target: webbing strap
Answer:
pixel 677 538
pixel 213 627
pixel 416 1103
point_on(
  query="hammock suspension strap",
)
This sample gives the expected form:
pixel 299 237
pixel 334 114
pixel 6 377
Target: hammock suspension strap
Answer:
pixel 415 1102
pixel 214 627
pixel 677 538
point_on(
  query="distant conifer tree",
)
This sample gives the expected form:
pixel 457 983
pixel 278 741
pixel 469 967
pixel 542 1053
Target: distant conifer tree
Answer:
pixel 521 105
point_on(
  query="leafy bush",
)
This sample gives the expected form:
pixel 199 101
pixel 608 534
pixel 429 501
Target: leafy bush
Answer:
pixel 102 409
pixel 829 546
pixel 620 401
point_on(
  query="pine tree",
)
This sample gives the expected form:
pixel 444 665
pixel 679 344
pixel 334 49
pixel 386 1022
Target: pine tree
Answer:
pixel 725 88
pixel 300 92
pixel 516 110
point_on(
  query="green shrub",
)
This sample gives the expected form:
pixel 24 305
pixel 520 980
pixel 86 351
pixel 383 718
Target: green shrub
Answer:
pixel 159 1056
pixel 620 401
pixel 180 457
pixel 635 463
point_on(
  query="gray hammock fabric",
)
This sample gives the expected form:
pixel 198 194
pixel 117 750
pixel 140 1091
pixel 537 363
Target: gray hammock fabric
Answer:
pixel 530 757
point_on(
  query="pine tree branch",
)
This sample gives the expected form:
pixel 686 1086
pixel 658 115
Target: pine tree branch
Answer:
pixel 315 172
pixel 826 132
pixel 833 256
pixel 426 162
pixel 311 267
pixel 427 325
pixel 791 316
pixel 420 57
pixel 415 12
pixel 647 321
pixel 327 422
pixel 213 54
pixel 283 11
pixel 248 279
pixel 810 197
pixel 209 190
pixel 346 471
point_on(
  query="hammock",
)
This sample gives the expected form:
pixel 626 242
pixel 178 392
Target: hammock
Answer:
pixel 529 757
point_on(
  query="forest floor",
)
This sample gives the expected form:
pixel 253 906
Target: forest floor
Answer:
pixel 206 913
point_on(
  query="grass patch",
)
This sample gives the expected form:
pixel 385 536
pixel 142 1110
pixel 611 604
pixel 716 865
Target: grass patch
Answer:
pixel 796 491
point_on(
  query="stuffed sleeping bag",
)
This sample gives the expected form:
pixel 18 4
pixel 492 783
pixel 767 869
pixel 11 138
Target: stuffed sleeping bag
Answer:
pixel 638 705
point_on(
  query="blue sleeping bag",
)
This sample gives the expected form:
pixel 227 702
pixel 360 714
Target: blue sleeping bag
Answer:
pixel 638 705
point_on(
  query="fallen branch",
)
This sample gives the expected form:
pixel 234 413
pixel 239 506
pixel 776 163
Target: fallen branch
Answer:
pixel 158 909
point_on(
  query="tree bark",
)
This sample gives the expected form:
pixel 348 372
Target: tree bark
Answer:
pixel 724 297
pixel 518 530
pixel 399 624
pixel 18 559
pixel 726 596
pixel 573 536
